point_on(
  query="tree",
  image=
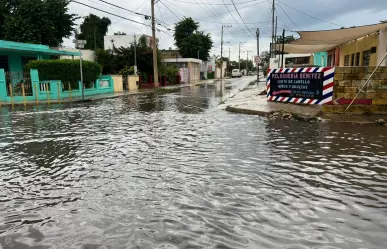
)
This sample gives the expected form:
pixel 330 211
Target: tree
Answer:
pixel 114 61
pixel 36 21
pixel 120 33
pixel 192 42
pixel 93 29
pixel 383 21
pixel 265 62
pixel 288 39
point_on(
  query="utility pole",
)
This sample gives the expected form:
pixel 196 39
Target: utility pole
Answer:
pixel 247 62
pixel 240 55
pixel 229 61
pixel 272 35
pixel 283 48
pixel 198 54
pixel 221 51
pixel 155 71
pixel 257 33
pixel 135 55
pixel 275 40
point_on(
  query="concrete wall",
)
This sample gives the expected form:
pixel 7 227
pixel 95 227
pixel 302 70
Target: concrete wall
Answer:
pixel 118 83
pixel 349 80
pixel 15 59
pixel 132 83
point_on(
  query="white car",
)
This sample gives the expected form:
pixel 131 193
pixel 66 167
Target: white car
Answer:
pixel 236 73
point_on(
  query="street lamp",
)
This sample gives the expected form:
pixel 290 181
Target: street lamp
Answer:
pixel 221 51
pixel 80 44
pixel 240 54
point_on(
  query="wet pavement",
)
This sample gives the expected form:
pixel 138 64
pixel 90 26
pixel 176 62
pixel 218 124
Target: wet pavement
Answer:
pixel 175 171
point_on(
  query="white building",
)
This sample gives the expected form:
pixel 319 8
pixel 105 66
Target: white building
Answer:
pixel 124 41
pixel 290 60
pixel 87 55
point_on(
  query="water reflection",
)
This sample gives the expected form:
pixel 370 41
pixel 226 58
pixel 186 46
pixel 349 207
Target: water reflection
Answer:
pixel 173 171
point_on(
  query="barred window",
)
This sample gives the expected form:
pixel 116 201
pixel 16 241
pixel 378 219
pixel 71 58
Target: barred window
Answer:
pixel 357 59
pixel 366 57
pixel 346 61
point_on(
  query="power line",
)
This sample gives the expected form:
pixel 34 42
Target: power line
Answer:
pixel 111 13
pixel 309 15
pixel 140 14
pixel 241 17
pixel 215 3
pixel 169 10
pixel 290 18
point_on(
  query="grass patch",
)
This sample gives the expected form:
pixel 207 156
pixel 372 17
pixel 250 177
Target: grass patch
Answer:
pixel 167 90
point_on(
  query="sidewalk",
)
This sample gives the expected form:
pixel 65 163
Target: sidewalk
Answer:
pixel 250 102
pixel 94 97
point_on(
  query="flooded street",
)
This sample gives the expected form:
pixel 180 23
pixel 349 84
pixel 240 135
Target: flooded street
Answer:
pixel 174 171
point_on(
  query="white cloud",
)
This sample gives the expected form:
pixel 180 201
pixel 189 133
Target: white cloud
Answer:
pixel 211 14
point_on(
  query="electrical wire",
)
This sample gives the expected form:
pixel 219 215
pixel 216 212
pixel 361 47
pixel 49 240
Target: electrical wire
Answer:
pixel 241 17
pixel 215 3
pixel 309 15
pixel 111 13
pixel 170 10
pixel 290 18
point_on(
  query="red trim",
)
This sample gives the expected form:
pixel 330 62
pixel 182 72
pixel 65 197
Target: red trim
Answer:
pixel 282 99
pixel 310 101
pixel 308 70
pixel 295 101
pixel 294 69
pixel 328 86
pixel 326 69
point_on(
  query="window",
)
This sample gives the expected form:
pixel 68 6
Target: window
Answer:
pixel 366 57
pixel 352 60
pixel 357 59
pixel 329 61
pixel 4 62
pixel 346 61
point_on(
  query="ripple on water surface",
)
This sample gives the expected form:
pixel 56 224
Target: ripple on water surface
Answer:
pixel 174 172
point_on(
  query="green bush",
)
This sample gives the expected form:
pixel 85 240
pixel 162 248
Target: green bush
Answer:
pixel 65 70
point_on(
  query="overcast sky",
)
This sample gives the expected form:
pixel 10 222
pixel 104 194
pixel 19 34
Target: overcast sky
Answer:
pixel 212 14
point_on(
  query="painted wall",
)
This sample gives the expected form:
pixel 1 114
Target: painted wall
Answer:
pixel 320 59
pixel 15 59
pixel 358 46
pixel 56 92
pixel 382 46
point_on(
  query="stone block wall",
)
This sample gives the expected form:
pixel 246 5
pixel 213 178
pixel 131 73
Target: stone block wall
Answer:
pixel 348 82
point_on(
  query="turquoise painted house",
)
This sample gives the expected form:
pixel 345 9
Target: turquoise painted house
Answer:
pixel 16 85
pixel 14 55
pixel 320 59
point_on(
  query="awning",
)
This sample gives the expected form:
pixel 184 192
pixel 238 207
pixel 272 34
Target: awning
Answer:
pixel 336 36
pixel 304 49
pixel 34 48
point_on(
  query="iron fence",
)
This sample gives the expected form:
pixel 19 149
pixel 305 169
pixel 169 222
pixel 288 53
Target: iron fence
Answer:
pixel 19 84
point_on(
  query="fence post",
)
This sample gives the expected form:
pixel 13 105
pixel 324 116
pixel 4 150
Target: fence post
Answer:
pixel 36 94
pixel 3 86
pixel 11 92
pixel 24 94
pixel 71 100
pixel 59 92
pixel 48 93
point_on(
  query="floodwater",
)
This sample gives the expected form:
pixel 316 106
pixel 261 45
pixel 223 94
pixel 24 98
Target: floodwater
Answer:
pixel 174 171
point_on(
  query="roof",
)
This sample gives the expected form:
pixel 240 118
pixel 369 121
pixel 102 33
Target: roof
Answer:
pixel 183 60
pixel 302 49
pixel 324 40
pixel 336 36
pixel 28 47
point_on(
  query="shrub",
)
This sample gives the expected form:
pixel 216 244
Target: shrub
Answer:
pixel 66 70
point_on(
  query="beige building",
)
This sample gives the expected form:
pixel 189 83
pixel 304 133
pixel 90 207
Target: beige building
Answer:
pixel 189 68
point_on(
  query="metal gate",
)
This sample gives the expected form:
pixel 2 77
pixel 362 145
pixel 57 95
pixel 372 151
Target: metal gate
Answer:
pixel 125 85
pixel 18 84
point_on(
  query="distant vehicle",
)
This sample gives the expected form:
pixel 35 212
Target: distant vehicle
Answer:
pixel 236 73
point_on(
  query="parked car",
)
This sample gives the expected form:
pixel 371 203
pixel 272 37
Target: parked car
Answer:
pixel 236 73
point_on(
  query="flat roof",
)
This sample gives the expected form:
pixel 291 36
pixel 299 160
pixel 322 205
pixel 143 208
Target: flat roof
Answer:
pixel 183 60
pixel 29 47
